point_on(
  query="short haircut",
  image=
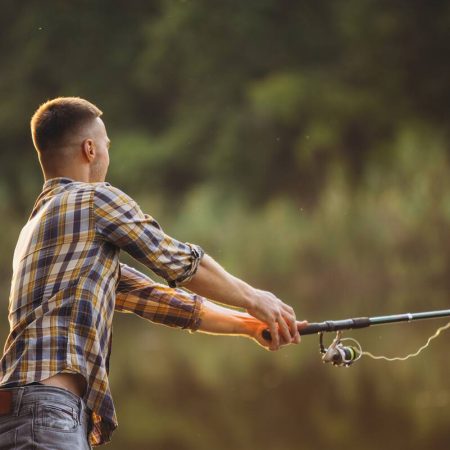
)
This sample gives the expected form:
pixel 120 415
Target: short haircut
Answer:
pixel 55 119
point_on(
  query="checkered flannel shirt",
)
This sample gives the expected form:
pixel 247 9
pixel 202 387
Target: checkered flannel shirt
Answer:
pixel 67 281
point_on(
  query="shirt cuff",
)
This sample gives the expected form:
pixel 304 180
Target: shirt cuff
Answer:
pixel 196 256
pixel 196 319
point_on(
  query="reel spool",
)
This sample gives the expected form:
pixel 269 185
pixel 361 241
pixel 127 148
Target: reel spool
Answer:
pixel 337 353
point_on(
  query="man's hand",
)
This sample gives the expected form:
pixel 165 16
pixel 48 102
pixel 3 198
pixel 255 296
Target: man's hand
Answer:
pixel 279 317
pixel 216 319
pixel 212 281
pixel 257 335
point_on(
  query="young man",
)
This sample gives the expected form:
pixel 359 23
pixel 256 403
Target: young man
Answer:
pixel 67 282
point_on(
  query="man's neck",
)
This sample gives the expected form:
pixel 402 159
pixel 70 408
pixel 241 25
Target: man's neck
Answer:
pixel 76 175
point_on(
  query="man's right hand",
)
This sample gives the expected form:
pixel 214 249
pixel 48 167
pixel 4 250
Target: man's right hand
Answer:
pixel 217 319
pixel 257 335
pixel 279 317
pixel 212 281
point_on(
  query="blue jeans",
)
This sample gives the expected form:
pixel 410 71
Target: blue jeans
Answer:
pixel 40 417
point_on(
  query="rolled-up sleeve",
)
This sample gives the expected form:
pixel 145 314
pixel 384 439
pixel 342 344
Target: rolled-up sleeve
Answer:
pixel 119 220
pixel 136 293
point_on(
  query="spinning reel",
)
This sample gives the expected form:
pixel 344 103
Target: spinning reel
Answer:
pixel 339 354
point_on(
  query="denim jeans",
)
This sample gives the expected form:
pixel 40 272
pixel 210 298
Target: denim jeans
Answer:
pixel 42 418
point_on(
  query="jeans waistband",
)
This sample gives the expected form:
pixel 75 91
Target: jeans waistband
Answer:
pixel 23 396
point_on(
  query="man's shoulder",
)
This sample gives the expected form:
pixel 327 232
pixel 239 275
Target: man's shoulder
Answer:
pixel 105 195
pixel 108 190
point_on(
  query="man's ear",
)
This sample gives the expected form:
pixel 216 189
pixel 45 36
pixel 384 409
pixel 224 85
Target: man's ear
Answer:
pixel 88 149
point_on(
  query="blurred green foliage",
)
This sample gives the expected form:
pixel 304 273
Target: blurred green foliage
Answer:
pixel 305 145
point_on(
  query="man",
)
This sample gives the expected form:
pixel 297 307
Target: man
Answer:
pixel 67 281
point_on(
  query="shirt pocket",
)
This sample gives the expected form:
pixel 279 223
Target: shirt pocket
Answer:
pixel 56 417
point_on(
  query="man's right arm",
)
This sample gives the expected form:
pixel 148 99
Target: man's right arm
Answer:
pixel 212 281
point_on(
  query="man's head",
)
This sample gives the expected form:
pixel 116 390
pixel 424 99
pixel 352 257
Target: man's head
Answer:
pixel 71 140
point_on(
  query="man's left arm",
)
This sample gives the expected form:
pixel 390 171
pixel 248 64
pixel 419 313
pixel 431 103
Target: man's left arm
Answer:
pixel 137 293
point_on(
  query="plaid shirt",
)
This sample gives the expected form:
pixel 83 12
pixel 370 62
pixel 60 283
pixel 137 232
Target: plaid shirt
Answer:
pixel 67 281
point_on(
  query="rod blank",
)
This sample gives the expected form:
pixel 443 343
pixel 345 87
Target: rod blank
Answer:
pixel 363 322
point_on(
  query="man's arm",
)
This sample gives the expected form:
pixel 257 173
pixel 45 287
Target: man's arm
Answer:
pixel 213 281
pixel 119 220
pixel 136 293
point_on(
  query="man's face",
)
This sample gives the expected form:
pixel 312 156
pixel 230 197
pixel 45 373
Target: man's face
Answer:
pixel 99 166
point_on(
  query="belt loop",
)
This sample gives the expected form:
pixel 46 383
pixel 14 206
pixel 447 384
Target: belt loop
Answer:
pixel 80 411
pixel 18 400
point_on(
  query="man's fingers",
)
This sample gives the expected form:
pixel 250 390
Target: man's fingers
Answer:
pixel 287 308
pixel 289 316
pixel 275 343
pixel 292 323
pixel 284 329
pixel 276 332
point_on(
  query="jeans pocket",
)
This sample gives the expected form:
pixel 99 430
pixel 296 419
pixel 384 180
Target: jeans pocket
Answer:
pixel 59 418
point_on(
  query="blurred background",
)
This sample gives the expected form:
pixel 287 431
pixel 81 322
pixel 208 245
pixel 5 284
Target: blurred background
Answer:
pixel 305 146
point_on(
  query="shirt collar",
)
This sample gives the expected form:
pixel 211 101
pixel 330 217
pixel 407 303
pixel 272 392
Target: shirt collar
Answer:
pixel 55 182
pixel 50 187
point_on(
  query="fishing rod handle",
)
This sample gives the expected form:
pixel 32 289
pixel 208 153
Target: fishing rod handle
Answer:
pixel 312 328
pixel 328 326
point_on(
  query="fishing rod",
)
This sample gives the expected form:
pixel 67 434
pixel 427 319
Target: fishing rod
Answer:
pixel 339 354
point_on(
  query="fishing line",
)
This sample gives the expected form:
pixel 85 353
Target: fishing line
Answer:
pixel 411 355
